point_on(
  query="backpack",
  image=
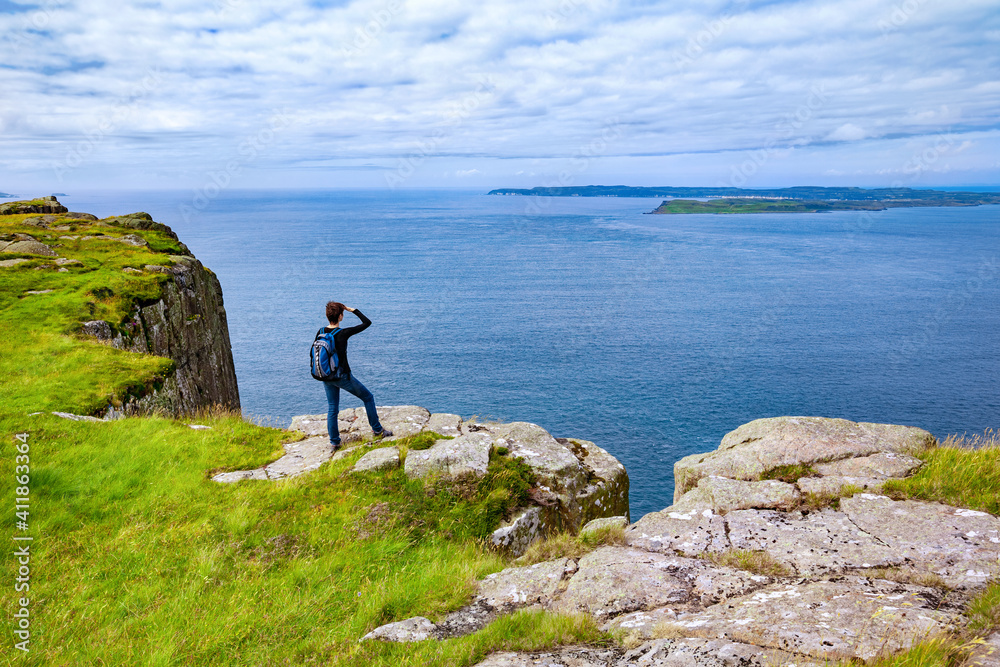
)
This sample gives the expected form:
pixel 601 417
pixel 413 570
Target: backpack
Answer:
pixel 323 361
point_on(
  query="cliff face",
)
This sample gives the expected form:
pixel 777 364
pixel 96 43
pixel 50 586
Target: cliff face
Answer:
pixel 186 324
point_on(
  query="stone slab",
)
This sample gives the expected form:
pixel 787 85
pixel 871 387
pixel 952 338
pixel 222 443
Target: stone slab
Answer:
pixel 383 458
pixel 722 495
pixel 466 454
pixel 850 617
pixel 414 629
pixel 812 544
pixel 689 533
pixel 763 444
pixel 884 465
pixel 961 545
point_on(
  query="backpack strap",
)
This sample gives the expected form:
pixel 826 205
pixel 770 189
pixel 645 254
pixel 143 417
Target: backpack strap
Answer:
pixel 323 332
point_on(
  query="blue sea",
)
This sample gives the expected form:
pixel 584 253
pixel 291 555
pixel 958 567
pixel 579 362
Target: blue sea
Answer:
pixel 653 336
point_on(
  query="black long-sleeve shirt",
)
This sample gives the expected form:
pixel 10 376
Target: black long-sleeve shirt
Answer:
pixel 340 338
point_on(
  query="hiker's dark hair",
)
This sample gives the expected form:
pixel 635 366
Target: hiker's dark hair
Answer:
pixel 334 309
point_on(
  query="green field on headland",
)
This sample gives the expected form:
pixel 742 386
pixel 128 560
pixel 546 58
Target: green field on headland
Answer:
pixel 730 205
pixel 801 199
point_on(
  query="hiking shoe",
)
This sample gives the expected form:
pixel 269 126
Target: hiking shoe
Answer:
pixel 384 433
pixel 335 446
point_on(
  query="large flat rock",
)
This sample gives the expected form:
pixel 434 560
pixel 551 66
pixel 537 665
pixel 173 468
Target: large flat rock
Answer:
pixel 688 533
pixel 812 544
pixel 688 652
pixel 961 545
pixel 851 617
pixel 763 444
pixel 611 581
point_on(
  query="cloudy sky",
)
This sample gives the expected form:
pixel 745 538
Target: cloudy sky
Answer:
pixel 452 93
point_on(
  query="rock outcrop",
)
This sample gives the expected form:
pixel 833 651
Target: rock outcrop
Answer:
pixel 577 480
pixel 40 205
pixel 861 577
pixel 186 323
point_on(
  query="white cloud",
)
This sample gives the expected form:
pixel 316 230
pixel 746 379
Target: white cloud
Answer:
pixel 464 173
pixel 374 82
pixel 847 132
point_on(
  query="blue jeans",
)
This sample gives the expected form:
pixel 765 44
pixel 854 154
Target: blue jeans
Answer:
pixel 353 386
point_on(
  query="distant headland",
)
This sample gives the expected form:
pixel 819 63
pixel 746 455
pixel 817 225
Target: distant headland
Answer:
pixel 802 199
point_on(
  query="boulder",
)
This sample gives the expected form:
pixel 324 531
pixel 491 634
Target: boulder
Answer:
pixel 884 465
pixel 7 263
pixel 383 458
pixel 415 629
pixel 764 444
pixel 444 424
pixel 724 495
pixel 833 485
pixel 30 248
pixel 466 454
pixel 79 216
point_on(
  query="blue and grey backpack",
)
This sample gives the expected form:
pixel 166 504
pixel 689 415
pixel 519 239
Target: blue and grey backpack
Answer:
pixel 323 362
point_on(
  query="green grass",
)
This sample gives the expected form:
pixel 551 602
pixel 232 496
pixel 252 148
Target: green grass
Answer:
pixel 962 471
pixel 141 559
pixel 758 562
pixel 789 473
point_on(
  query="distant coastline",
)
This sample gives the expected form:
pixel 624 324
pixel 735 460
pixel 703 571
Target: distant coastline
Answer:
pixel 803 199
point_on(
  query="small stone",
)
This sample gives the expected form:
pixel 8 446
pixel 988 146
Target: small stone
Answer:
pixel 39 291
pixel 99 329
pixel 604 522
pixel 415 629
pixel 129 269
pixel 77 418
pixel 30 248
pixel 79 216
pixel 63 261
pixel 132 240
pixel 199 427
pixel 383 458
pixel 467 454
pixel 7 263
pixel 516 535
pixel 239 476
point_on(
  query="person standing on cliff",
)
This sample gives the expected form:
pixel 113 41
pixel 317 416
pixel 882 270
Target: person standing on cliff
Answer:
pixel 335 314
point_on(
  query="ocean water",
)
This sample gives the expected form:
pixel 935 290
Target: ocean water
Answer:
pixel 653 336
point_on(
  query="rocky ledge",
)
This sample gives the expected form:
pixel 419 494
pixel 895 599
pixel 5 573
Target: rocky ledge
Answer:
pixel 577 480
pixel 839 573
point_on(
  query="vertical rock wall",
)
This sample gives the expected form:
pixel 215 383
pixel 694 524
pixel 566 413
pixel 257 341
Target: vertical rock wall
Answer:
pixel 187 324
